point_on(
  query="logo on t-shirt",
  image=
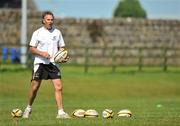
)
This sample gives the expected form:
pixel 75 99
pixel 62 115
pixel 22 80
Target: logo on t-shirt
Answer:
pixel 54 38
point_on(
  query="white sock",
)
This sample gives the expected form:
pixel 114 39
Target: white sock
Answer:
pixel 61 111
pixel 29 107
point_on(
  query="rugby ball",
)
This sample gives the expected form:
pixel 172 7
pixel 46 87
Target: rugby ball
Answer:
pixel 91 113
pixel 124 113
pixel 16 112
pixel 60 56
pixel 107 113
pixel 78 113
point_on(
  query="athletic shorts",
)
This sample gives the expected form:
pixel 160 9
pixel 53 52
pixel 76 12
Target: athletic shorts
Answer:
pixel 45 72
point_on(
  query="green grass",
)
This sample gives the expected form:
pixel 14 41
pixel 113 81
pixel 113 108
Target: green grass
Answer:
pixel 141 92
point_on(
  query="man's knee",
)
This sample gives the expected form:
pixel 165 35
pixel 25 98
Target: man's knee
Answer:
pixel 35 86
pixel 58 87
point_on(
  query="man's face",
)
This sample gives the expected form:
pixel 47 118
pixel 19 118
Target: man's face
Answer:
pixel 48 21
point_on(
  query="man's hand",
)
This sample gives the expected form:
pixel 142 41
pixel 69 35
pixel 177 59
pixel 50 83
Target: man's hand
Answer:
pixel 65 60
pixel 45 55
pixel 35 51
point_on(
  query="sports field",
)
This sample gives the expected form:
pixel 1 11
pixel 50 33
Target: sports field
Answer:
pixel 153 97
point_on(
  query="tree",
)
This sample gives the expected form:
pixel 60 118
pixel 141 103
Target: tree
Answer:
pixel 129 8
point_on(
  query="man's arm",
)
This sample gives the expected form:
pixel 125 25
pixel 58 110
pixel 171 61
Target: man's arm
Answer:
pixel 35 51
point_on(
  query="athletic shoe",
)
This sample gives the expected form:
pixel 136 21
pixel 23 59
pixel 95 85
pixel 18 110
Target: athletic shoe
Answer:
pixel 63 116
pixel 26 113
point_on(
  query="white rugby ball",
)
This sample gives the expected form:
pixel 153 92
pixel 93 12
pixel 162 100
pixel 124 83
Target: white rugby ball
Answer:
pixel 60 56
pixel 107 113
pixel 91 113
pixel 78 113
pixel 124 113
pixel 16 112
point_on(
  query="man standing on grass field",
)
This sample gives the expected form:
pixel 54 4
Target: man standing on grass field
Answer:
pixel 45 42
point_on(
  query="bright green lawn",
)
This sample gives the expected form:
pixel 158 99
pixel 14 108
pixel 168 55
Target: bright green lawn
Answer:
pixel 141 92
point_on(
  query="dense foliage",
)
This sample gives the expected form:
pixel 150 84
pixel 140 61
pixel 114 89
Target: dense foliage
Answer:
pixel 129 8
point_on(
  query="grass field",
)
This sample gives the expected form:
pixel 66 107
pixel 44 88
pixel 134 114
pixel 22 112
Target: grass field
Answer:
pixel 153 97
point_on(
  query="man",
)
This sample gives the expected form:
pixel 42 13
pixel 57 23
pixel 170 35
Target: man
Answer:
pixel 45 42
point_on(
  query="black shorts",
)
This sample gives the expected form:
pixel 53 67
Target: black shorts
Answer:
pixel 45 72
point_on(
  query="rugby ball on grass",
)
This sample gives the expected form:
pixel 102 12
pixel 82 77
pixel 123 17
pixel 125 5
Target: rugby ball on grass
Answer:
pixel 60 56
pixel 91 113
pixel 78 113
pixel 16 113
pixel 124 113
pixel 107 113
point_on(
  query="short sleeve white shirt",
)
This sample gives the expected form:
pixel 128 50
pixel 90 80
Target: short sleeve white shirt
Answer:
pixel 48 41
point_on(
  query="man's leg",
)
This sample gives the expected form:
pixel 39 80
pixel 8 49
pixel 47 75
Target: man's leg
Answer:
pixel 58 97
pixel 58 92
pixel 35 84
pixel 32 95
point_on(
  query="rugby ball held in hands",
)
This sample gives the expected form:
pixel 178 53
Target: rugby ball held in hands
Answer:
pixel 60 56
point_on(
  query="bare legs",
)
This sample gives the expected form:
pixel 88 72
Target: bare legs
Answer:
pixel 58 97
pixel 58 92
pixel 33 91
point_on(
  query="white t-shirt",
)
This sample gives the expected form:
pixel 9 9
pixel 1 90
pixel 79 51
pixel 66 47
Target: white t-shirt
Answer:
pixel 46 40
